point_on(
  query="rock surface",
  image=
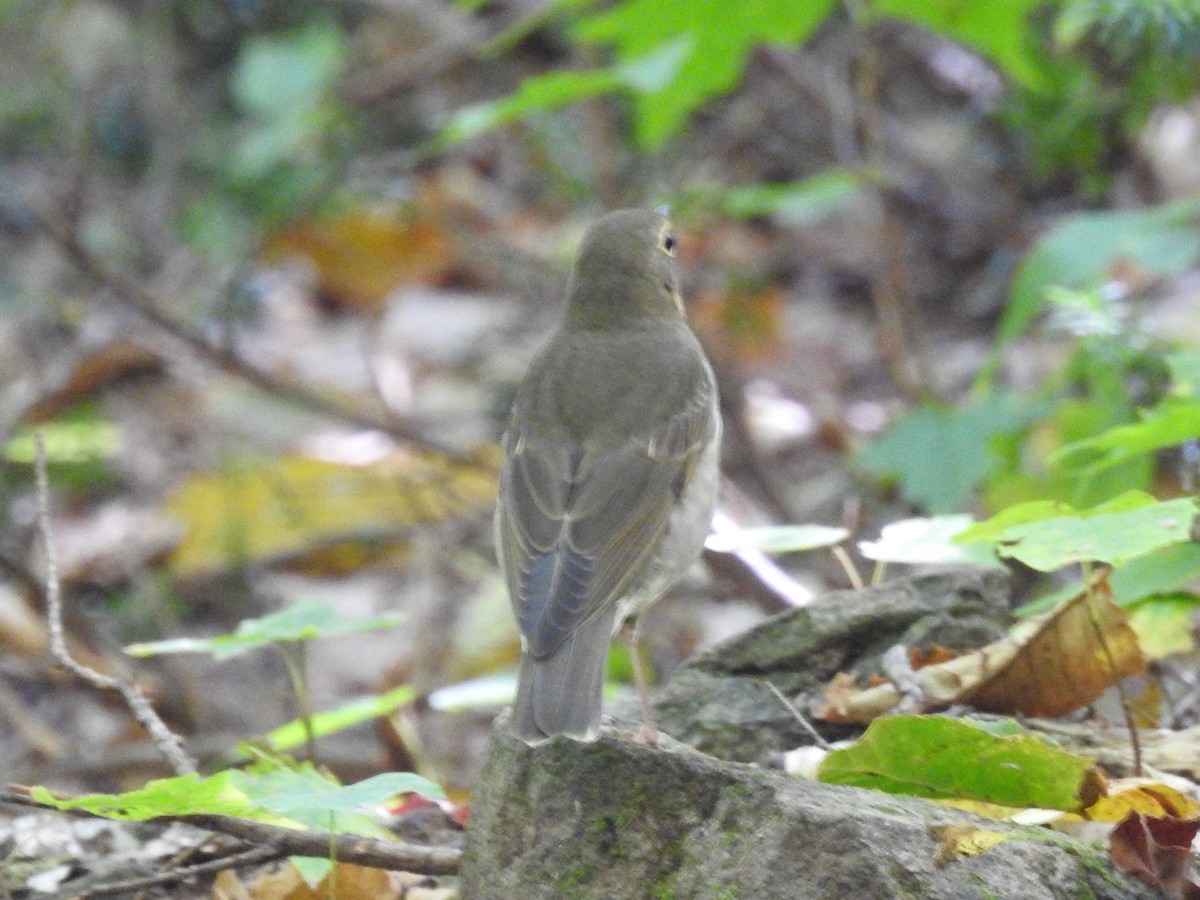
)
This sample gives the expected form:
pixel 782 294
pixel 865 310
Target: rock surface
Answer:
pixel 718 701
pixel 617 819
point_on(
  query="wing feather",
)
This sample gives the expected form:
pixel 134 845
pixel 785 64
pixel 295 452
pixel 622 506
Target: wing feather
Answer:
pixel 578 524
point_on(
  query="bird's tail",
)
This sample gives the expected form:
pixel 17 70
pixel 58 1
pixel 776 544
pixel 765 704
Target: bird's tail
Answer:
pixel 561 693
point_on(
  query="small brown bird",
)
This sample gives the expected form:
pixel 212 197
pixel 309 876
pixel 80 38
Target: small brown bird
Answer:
pixel 610 470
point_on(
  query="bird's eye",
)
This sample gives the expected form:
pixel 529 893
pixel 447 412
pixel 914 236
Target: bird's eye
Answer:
pixel 668 243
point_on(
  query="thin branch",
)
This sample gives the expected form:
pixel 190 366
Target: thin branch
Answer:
pixel 167 742
pixel 351 848
pixel 1090 582
pixel 897 314
pixel 358 410
pixel 791 707
pixel 245 857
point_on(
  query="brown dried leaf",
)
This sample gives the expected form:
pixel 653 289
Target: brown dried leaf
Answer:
pixel 1073 656
pixel 740 325
pixel 350 882
pixel 1158 850
pixel 839 692
pixel 101 367
pixel 362 255
pixel 1046 666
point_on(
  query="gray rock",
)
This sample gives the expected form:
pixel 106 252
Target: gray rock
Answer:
pixel 615 819
pixel 718 701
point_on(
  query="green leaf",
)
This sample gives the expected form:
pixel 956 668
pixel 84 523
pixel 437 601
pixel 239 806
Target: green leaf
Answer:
pixel 313 869
pixel 66 442
pixel 1133 29
pixel 1161 571
pixel 364 709
pixel 284 83
pixel 1094 536
pixel 540 93
pixel 308 797
pixel 1185 372
pixel 554 90
pixel 1172 422
pixel 794 201
pixel 657 69
pixel 1080 251
pixel 939 455
pixel 1164 623
pixel 285 76
pixel 1018 514
pixel 218 794
pixel 777 539
pixel 997 29
pixel 302 621
pixel 720 37
pixel 932 756
pixel 363 797
pixel 933 541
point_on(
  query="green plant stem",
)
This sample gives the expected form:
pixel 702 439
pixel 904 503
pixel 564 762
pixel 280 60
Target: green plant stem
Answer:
pixel 295 654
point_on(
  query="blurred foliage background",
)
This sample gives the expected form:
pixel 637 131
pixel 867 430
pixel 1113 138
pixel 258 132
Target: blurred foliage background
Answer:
pixel 272 270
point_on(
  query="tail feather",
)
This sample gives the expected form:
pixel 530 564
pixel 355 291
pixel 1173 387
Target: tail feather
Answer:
pixel 561 692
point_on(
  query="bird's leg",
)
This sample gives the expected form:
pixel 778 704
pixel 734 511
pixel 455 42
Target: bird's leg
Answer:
pixel 629 635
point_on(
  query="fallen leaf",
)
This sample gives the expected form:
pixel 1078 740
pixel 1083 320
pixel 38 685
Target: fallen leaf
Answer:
pixel 284 509
pixel 963 840
pixel 228 886
pixel 361 255
pixel 1067 661
pixel 1046 666
pixel 1158 850
pixel 743 324
pixel 92 373
pixel 922 756
pixel 1141 795
pixel 919 658
pixel 349 882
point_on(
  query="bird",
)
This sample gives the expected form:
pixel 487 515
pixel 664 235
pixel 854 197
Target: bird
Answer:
pixel 610 471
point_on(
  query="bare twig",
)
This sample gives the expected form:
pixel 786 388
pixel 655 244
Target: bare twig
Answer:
pixel 167 742
pixel 791 707
pixel 1089 585
pixel 183 873
pixel 897 314
pixel 351 848
pixel 131 294
pixel 363 851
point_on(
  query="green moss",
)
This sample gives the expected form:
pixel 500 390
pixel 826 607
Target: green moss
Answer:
pixel 984 892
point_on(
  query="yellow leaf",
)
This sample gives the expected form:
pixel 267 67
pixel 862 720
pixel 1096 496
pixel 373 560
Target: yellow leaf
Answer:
pixel 282 509
pixel 1142 795
pixel 963 840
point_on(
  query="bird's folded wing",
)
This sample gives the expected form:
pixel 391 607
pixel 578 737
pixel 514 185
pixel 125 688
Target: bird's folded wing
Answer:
pixel 579 526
